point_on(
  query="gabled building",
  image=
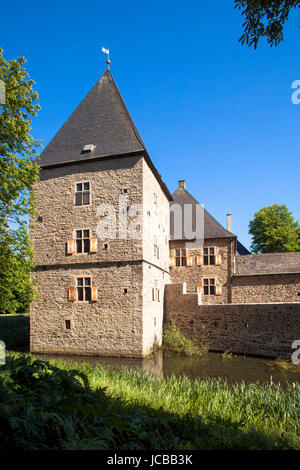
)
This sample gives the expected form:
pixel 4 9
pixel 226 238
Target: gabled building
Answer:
pixel 97 295
pixel 106 243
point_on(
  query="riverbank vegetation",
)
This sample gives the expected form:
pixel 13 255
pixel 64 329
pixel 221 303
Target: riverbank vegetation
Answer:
pixel 174 341
pixel 59 405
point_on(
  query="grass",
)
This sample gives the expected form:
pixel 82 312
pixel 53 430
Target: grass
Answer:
pixel 282 364
pixel 14 331
pixel 63 405
pixel 174 341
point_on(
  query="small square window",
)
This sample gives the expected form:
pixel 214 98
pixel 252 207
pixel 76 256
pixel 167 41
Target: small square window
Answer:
pixel 125 291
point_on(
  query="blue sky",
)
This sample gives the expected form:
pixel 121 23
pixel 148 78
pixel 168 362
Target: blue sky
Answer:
pixel 209 110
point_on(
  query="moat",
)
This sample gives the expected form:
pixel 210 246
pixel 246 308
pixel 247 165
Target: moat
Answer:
pixel 234 368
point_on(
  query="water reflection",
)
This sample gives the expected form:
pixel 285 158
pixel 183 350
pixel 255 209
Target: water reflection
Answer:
pixel 234 369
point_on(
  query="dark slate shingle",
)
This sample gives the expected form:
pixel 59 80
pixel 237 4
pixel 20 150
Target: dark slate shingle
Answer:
pixel 212 228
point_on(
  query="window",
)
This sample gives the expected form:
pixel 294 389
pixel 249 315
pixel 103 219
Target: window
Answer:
pixel 209 255
pixel 82 241
pixel 180 257
pixel 83 289
pixel 155 294
pixel 156 247
pixel 68 324
pixel 155 204
pixel 82 195
pixel 209 286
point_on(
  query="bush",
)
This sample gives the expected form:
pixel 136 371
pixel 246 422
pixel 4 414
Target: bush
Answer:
pixel 15 331
pixel 174 341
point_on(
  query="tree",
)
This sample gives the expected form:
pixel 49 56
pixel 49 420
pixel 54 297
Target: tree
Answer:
pixel 18 173
pixel 264 18
pixel 274 230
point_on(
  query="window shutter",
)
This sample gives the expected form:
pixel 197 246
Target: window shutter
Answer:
pixel 70 247
pixel 189 261
pixel 199 289
pixel 72 294
pixel 218 290
pixel 172 261
pixel 94 294
pixel 199 260
pixel 93 245
pixel 218 260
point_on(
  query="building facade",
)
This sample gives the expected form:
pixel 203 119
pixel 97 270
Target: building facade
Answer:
pixel 105 242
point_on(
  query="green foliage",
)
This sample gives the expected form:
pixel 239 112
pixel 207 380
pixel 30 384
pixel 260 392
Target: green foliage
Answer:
pixel 264 18
pixel 14 331
pixel 282 364
pixel 175 341
pixel 57 405
pixel 18 173
pixel 274 230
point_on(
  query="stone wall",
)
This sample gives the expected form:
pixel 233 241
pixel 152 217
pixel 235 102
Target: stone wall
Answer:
pixel 258 329
pixel 55 193
pixel 125 320
pixel 266 288
pixel 111 326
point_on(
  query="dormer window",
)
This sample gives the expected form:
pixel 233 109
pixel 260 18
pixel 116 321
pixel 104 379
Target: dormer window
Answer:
pixel 88 148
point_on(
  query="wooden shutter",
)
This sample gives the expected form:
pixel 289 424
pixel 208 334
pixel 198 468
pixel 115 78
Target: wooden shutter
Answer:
pixel 94 294
pixel 172 261
pixel 189 261
pixel 72 294
pixel 70 247
pixel 218 290
pixel 199 289
pixel 199 260
pixel 218 260
pixel 93 245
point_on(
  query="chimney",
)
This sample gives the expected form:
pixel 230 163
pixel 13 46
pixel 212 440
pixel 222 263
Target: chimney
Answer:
pixel 182 184
pixel 228 215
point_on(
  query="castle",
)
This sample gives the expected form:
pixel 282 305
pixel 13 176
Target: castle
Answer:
pixel 105 295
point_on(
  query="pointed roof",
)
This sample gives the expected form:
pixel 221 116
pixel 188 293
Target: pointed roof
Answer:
pixel 212 228
pixel 101 119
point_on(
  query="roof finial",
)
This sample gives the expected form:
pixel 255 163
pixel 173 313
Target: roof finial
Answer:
pixel 106 52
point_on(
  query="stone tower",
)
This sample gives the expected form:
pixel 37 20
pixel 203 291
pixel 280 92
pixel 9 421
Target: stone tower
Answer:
pixel 99 294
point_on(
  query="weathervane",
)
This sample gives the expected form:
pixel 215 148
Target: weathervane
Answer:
pixel 106 51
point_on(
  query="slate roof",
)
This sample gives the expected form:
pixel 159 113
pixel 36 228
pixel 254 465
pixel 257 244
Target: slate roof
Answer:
pixel 268 263
pixel 212 228
pixel 103 120
pixel 241 249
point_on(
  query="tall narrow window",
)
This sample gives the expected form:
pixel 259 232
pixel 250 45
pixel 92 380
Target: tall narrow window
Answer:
pixel 209 286
pixel 83 289
pixel 180 256
pixel 209 255
pixel 82 241
pixel 82 195
pixel 155 203
pixel 156 247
